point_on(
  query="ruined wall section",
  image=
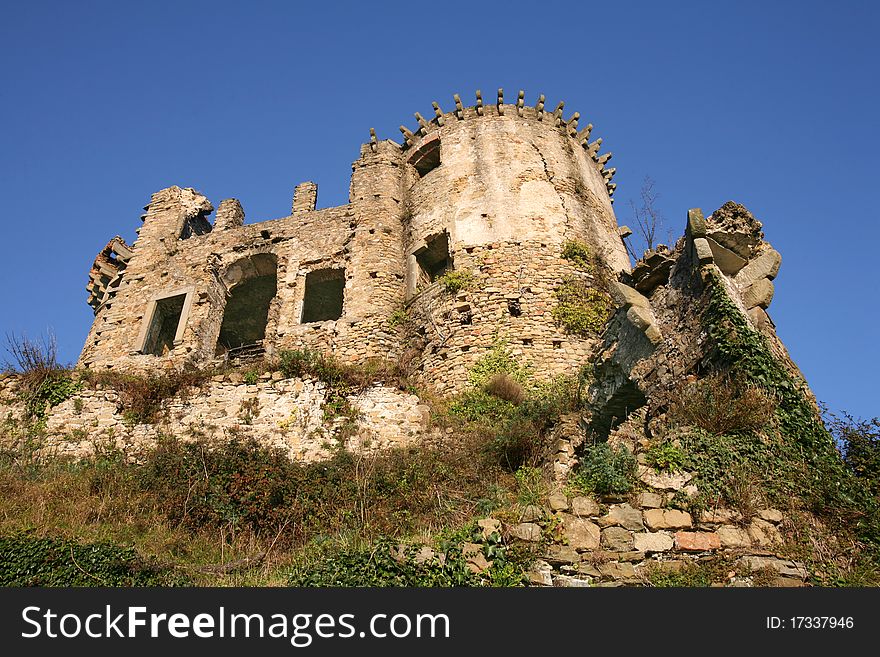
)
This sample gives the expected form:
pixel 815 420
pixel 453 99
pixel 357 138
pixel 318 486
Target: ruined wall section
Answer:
pixel 505 185
pixel 363 238
pixel 512 187
pixel 284 413
pixel 658 336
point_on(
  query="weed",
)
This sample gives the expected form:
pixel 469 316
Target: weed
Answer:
pixel 606 470
pixel 456 280
pixel 721 404
pixel 581 309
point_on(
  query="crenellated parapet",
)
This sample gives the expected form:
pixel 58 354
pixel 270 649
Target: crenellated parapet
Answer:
pixel 413 139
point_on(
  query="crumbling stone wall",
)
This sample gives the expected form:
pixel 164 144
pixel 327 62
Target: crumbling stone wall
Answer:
pixel 275 411
pixel 658 336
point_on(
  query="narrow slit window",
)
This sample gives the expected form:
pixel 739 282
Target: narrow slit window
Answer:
pixel 164 325
pixel 324 295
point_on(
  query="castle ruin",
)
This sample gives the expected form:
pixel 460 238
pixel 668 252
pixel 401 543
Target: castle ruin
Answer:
pixel 494 190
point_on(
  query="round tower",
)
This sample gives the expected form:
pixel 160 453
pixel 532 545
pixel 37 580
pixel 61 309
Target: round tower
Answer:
pixel 510 239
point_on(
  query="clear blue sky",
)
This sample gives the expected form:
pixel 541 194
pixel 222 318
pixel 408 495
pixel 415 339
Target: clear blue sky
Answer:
pixel 771 104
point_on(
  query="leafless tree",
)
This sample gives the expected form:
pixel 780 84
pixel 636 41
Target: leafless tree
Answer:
pixel 649 223
pixel 35 359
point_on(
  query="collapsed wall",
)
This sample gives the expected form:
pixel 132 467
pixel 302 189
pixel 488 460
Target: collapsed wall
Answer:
pixel 286 413
pixel 659 336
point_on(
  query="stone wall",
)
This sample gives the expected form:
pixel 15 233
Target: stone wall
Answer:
pixel 613 541
pixel 658 335
pixel 275 411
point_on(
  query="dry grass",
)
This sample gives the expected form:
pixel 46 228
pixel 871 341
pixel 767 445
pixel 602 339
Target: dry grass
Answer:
pixel 199 504
pixel 505 387
pixel 721 404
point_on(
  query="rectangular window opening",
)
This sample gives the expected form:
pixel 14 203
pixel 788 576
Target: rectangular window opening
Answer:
pixel 164 325
pixel 324 295
pixel 434 258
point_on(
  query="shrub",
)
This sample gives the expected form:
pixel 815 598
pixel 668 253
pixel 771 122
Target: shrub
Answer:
pixel 456 280
pixel 384 564
pixel 141 396
pixel 721 404
pixel 695 575
pixel 581 309
pixel 859 442
pixel 479 406
pixel 665 456
pixel 578 253
pixel 498 360
pixel 605 470
pixel 518 442
pixel 505 387
pixel 530 485
pixel 44 381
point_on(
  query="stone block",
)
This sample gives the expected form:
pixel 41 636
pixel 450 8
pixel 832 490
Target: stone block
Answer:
pixel 733 537
pixel 697 541
pixel 558 502
pixel 728 261
pixel 667 519
pixel 663 480
pixel 626 296
pixel 763 533
pixel 615 570
pixel 625 516
pixel 526 531
pixel 650 500
pixel 758 295
pixel 765 265
pixel 703 250
pixel 585 506
pixel 617 539
pixel 581 534
pixel 696 224
pixel 653 542
pixel 771 515
pixel 561 555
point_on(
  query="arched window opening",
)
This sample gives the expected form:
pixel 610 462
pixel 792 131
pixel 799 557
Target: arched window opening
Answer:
pixel 252 284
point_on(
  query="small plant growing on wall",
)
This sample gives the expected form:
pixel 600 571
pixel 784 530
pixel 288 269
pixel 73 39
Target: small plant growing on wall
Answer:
pixel 581 309
pixel 456 280
pixel 578 253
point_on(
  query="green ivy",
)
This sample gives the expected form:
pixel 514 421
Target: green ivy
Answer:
pixel 665 456
pixel 389 563
pixel 803 452
pixel 30 561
